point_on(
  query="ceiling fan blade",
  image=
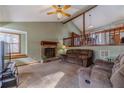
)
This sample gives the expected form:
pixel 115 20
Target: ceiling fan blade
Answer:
pixel 66 14
pixel 49 13
pixel 45 10
pixel 66 7
pixel 55 6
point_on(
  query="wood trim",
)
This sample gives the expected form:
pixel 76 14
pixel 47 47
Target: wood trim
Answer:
pixel 67 38
pixel 11 33
pixel 80 14
pixel 20 43
pixel 84 37
pixel 16 56
pixel 43 43
pixel 111 30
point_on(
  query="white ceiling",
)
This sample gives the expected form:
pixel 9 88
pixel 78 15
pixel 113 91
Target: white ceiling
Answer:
pixel 101 16
pixel 33 13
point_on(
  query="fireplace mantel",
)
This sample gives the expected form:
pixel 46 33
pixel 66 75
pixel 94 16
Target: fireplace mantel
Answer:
pixel 48 43
pixel 49 49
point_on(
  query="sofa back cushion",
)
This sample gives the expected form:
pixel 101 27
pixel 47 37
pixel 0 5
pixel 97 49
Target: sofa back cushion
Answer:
pixel 100 77
pixel 78 55
pixel 85 52
pixel 117 78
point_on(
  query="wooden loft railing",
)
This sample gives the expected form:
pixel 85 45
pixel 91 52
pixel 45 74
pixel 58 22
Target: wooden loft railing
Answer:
pixel 73 40
pixel 114 36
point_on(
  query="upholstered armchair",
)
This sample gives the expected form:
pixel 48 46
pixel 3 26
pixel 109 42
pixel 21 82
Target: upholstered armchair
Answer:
pixel 103 74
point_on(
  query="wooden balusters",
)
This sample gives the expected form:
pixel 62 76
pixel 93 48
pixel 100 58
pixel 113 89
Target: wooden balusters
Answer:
pixel 107 37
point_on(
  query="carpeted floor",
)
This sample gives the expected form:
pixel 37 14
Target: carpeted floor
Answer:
pixel 49 75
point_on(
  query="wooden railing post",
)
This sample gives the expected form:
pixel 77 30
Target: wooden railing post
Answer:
pixel 72 39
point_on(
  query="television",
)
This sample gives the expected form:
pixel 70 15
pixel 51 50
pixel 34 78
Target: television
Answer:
pixel 5 55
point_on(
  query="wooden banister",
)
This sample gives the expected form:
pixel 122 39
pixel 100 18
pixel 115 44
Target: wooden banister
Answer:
pixel 114 34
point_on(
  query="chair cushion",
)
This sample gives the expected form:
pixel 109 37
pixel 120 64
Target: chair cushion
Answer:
pixel 99 74
pixel 100 78
pixel 84 75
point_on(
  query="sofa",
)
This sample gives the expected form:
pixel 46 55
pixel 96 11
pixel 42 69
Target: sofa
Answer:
pixel 103 74
pixel 82 57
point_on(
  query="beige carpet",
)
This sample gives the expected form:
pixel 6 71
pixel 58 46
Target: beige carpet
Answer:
pixel 49 75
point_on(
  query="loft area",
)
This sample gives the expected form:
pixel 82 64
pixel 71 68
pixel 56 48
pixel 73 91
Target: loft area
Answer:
pixel 112 36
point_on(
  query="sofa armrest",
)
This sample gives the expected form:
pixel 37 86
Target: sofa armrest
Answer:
pixel 105 63
pixel 104 68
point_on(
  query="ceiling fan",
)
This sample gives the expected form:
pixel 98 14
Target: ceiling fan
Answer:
pixel 60 11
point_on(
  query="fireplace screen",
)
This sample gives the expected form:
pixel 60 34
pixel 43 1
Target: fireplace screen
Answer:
pixel 49 52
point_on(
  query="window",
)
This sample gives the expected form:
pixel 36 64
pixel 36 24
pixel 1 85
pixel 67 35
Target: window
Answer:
pixel 13 40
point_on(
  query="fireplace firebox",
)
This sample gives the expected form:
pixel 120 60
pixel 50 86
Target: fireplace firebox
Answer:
pixel 49 52
pixel 48 49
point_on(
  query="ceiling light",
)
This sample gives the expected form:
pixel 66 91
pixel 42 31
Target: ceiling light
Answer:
pixel 60 11
pixel 90 21
pixel 59 15
pixel 91 26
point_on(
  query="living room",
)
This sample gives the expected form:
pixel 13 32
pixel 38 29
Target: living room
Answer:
pixel 59 46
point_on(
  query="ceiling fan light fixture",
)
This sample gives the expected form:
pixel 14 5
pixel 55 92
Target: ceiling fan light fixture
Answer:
pixel 60 11
pixel 91 26
pixel 59 15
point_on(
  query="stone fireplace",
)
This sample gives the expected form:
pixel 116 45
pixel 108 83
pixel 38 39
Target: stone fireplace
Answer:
pixel 49 49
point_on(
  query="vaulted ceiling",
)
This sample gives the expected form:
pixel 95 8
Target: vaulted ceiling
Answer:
pixel 100 15
pixel 34 13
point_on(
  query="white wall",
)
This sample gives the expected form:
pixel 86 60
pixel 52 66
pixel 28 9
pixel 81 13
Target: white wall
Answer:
pixel 65 30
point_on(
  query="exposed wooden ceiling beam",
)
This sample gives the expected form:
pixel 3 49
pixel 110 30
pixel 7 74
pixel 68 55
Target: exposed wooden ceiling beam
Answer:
pixel 80 14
